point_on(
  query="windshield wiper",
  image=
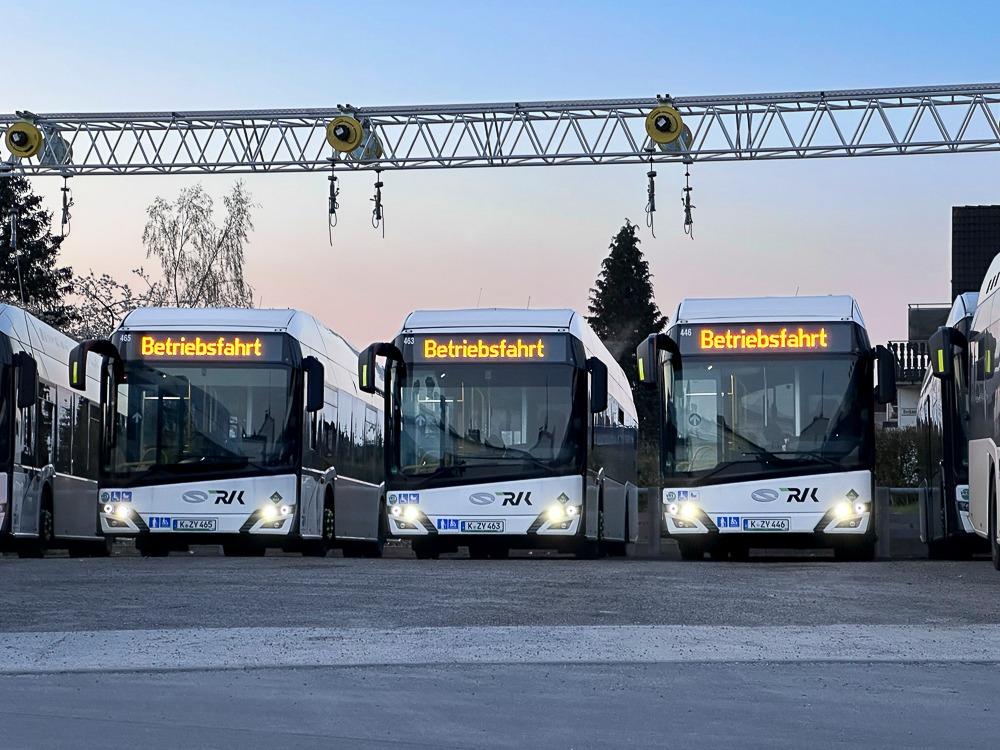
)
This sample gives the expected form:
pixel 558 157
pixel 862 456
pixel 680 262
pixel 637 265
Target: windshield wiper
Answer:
pixel 812 454
pixel 518 455
pixel 207 462
pixel 736 462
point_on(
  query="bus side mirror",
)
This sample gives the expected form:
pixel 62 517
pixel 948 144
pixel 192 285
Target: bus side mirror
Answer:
pixel 314 383
pixel 27 387
pixel 885 361
pixel 647 359
pixel 78 361
pixel 942 346
pixel 598 385
pixel 647 355
pixel 366 370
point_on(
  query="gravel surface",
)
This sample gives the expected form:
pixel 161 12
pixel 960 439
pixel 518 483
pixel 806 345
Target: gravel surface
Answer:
pixel 122 593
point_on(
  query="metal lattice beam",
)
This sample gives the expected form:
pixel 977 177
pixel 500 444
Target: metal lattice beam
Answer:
pixel 815 124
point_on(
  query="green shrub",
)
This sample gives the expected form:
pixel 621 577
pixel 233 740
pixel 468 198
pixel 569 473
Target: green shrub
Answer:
pixel 896 458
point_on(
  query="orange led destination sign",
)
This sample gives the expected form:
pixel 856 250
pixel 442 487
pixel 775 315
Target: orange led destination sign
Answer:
pixel 757 338
pixel 218 347
pixel 182 346
pixel 770 338
pixel 493 348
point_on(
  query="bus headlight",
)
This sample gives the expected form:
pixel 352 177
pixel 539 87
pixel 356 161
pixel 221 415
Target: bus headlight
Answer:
pixel 397 511
pixel 860 508
pixel 555 514
pixel 269 512
pixel 572 510
pixel 122 511
pixel 673 509
pixel 284 510
pixel 109 509
pixel 411 514
pixel 842 510
pixel 689 510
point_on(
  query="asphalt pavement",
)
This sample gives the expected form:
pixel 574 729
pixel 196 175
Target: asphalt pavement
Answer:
pixel 205 651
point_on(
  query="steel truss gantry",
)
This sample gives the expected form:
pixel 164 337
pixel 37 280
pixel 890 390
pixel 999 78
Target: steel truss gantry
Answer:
pixel 746 127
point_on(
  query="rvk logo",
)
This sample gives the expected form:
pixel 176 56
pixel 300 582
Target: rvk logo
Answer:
pixel 227 497
pixel 800 494
pixel 515 498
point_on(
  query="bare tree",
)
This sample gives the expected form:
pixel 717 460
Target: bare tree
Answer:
pixel 202 263
pixel 104 302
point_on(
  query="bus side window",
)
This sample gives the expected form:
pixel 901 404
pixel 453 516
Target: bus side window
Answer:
pixel 371 442
pixel 64 432
pixel 80 441
pixel 93 439
pixel 330 423
pixel 345 440
pixel 46 424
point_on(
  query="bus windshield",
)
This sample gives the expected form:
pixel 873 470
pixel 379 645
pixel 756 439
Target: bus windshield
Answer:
pixel 475 422
pixel 193 418
pixel 754 416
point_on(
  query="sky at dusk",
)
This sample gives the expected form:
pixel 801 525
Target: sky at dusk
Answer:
pixel 876 228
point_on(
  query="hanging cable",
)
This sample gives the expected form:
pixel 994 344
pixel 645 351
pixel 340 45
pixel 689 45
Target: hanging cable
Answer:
pixel 334 205
pixel 650 195
pixel 14 252
pixel 67 204
pixel 686 202
pixel 378 219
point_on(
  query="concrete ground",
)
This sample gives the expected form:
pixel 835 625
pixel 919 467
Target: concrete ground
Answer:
pixel 205 651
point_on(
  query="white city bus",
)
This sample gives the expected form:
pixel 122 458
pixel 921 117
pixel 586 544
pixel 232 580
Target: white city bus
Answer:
pixel 241 427
pixel 767 424
pixel 506 429
pixel 49 443
pixel 947 346
pixel 943 447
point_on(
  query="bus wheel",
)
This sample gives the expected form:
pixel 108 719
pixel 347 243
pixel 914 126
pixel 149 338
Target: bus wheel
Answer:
pixel 319 547
pixel 374 549
pixel 691 550
pixel 992 527
pixel 149 547
pixel 35 548
pixel 426 549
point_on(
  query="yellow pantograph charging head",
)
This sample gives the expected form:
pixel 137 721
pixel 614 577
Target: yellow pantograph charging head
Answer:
pixel 24 139
pixel 664 124
pixel 344 133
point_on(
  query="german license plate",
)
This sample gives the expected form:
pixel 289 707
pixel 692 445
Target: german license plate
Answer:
pixel 196 524
pixel 487 527
pixel 765 524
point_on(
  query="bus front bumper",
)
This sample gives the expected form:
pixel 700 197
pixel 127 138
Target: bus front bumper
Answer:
pixel 842 518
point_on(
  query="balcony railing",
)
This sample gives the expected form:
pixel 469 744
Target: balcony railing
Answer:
pixel 911 360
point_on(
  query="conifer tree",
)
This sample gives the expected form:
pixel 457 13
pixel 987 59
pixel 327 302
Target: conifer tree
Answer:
pixel 31 276
pixel 623 312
